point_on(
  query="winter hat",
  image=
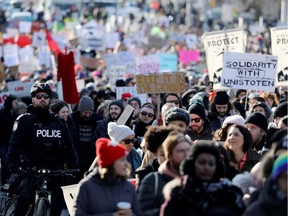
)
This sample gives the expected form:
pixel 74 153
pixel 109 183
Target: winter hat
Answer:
pixel 126 96
pixel 118 103
pixel 135 99
pixel 244 181
pixel 281 110
pixel 280 165
pixel 258 119
pixel 118 132
pixel 86 103
pixel 176 113
pixel 282 144
pixel 235 119
pixel 197 109
pixel 108 151
pixel 268 111
pixel 221 98
pixel 239 107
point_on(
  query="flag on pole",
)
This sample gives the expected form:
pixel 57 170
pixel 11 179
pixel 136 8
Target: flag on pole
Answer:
pixel 52 43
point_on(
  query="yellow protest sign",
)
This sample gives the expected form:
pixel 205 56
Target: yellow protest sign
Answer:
pixel 160 83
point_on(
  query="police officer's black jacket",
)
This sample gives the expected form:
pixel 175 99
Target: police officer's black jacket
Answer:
pixel 44 141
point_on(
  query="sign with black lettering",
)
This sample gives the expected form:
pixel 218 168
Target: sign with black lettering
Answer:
pixel 215 43
pixel 249 71
pixel 160 83
pixel 279 44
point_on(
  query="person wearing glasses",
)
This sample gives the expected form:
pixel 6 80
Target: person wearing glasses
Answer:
pixel 199 128
pixel 145 119
pixel 123 135
pixel 40 140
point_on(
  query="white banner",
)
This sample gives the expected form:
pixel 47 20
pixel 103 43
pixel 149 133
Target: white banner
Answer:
pixel 10 52
pixel 132 90
pixel 25 27
pixel 215 43
pixel 148 64
pixel 249 71
pixel 39 39
pixel 279 44
pixel 116 72
pixel 19 88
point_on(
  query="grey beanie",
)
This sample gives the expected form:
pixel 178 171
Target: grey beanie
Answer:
pixel 176 113
pixel 118 103
pixel 86 103
pixel 134 99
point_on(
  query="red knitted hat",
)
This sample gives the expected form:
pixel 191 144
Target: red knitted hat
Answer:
pixel 108 151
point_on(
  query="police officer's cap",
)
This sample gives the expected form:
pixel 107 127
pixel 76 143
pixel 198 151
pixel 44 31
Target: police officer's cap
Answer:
pixel 40 87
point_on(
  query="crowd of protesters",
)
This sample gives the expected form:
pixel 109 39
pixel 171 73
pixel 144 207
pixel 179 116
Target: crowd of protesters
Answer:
pixel 199 152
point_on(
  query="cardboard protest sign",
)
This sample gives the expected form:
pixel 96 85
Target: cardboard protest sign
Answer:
pixel 215 43
pixel 187 56
pixel 160 83
pixel 249 71
pixel 19 88
pixel 121 58
pixel 88 62
pixel 148 64
pixel 3 97
pixel 116 72
pixel 168 62
pixel 279 43
pixel 132 90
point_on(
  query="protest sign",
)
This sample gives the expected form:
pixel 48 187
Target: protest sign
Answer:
pixel 133 91
pixel 279 44
pixel 19 88
pixel 10 53
pixel 249 71
pixel 160 83
pixel 156 42
pixel 168 62
pixel 125 115
pixel 111 39
pixel 25 53
pixel 25 27
pixel 215 43
pixel 27 67
pixel 116 72
pixel 80 84
pixel 44 56
pixel 148 64
pixel 88 62
pixel 187 56
pixel 38 39
pixel 191 40
pixel 121 58
pixel 3 97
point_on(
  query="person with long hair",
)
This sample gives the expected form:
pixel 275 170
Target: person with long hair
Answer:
pixel 237 145
pixel 100 192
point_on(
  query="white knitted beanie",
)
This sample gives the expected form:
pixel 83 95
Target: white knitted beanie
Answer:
pixel 118 132
pixel 235 119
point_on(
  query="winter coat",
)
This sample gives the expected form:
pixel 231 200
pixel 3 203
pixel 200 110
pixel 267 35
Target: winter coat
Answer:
pixel 101 130
pixel 197 198
pixel 205 134
pixel 152 167
pixel 135 161
pixel 252 158
pixel 43 139
pixel 150 193
pixel 96 196
pixel 269 202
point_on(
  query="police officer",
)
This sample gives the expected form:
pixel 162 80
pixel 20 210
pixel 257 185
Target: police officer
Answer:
pixel 40 140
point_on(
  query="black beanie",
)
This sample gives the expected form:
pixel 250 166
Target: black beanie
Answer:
pixel 281 110
pixel 176 113
pixel 197 109
pixel 134 99
pixel 221 98
pixel 258 119
pixel 118 103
